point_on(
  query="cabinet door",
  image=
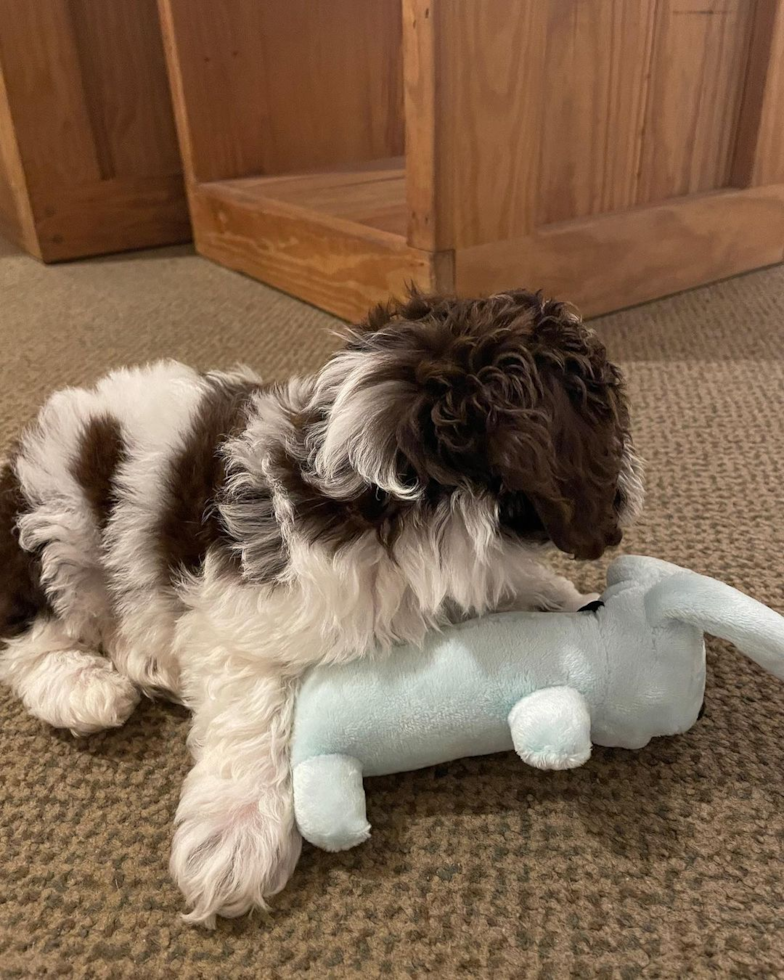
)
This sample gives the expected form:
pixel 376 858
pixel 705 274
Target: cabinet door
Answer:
pixel 610 151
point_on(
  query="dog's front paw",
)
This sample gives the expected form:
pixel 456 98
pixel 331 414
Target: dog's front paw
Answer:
pixel 581 601
pixel 234 846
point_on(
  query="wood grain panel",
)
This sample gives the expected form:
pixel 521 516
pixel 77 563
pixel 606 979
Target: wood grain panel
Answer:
pixel 112 216
pixel 759 151
pixel 336 264
pixel 285 85
pixel 42 69
pixel 87 143
pixel 697 72
pixel 611 261
pixel 594 88
pixel 477 86
pixel 16 218
pixel 494 97
pixel 217 74
pixel 347 105
pixel 370 194
pixel 428 174
pixel 126 89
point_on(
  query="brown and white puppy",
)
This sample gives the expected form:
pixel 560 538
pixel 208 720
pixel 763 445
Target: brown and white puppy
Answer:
pixel 211 537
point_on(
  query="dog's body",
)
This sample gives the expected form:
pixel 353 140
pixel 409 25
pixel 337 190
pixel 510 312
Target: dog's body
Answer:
pixel 208 538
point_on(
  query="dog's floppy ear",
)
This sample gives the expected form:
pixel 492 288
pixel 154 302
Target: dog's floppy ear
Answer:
pixel 565 459
pixel 365 393
pixel 384 393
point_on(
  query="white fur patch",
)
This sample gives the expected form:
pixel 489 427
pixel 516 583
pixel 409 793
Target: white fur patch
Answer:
pixel 233 649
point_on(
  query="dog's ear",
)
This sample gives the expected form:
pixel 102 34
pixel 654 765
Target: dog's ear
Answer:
pixel 380 393
pixel 508 395
pixel 564 457
pixel 364 392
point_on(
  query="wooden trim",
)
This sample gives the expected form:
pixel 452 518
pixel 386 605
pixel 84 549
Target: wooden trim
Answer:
pixel 611 261
pixel 112 216
pixel 179 102
pixel 759 147
pixel 427 188
pixel 338 265
pixel 19 226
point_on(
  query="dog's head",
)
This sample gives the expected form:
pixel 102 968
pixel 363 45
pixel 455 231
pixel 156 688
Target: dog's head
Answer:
pixel 509 397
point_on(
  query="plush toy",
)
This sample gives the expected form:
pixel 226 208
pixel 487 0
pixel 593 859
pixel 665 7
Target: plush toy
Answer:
pixel 625 669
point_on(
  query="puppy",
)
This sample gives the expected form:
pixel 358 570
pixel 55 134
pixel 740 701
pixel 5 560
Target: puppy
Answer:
pixel 209 537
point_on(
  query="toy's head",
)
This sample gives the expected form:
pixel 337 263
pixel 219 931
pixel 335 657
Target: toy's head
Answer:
pixel 654 619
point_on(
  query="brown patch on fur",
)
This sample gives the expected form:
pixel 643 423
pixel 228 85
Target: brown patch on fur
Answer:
pixel 510 395
pixel 190 524
pixel 101 452
pixel 337 523
pixel 259 540
pixel 22 597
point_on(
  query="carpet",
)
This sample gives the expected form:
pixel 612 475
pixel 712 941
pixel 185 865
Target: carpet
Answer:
pixel 663 863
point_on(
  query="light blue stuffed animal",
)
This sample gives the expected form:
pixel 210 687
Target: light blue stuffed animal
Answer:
pixel 548 685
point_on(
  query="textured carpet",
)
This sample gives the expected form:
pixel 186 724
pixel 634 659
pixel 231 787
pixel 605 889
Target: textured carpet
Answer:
pixel 662 863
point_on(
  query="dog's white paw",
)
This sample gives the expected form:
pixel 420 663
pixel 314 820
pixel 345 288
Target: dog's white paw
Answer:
pixel 577 601
pixel 76 689
pixel 233 847
pixel 584 600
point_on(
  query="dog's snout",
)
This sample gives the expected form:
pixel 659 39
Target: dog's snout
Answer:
pixel 594 549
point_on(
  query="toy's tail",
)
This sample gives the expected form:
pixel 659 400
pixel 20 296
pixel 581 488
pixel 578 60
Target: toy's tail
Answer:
pixel 722 611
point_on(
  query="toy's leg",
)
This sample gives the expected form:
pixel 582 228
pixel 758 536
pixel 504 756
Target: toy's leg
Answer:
pixel 329 802
pixel 551 728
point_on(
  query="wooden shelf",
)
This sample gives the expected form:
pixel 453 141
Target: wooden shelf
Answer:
pixel 336 238
pixel 604 153
pixel 372 193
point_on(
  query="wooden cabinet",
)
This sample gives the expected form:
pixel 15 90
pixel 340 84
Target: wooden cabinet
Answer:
pixel 89 160
pixel 608 151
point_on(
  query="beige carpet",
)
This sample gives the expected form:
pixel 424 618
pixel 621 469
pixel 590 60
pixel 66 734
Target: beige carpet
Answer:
pixel 662 863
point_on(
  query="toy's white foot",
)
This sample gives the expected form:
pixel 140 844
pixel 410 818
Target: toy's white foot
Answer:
pixel 551 728
pixel 329 802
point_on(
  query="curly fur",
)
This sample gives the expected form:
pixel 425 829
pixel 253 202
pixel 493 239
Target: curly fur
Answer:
pixel 509 395
pixel 233 534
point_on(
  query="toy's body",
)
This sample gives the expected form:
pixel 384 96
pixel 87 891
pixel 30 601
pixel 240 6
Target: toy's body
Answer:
pixel 547 684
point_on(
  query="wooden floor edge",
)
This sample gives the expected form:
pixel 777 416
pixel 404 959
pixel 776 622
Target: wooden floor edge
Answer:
pixel 335 264
pixel 612 261
pixel 234 193
pixel 117 215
